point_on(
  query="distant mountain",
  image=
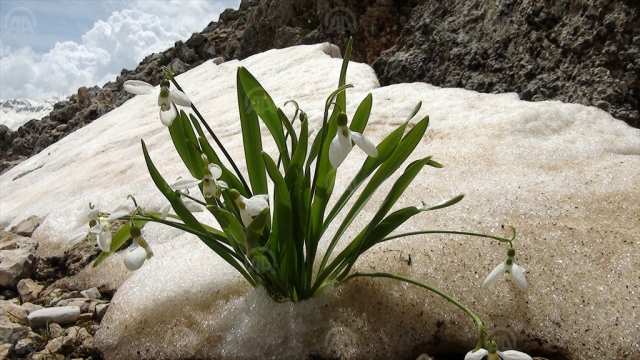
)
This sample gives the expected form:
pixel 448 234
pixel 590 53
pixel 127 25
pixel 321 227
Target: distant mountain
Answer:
pixel 17 112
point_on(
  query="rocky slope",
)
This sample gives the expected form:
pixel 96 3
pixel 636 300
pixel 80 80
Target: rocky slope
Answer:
pixel 571 51
pixel 255 27
pixel 585 52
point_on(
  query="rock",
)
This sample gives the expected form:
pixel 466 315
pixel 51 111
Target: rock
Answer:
pixel 78 333
pixel 100 311
pixel 29 307
pixel 11 332
pixel 92 293
pixel 61 315
pixel 61 345
pixel 24 347
pixel 46 355
pixel 14 312
pixel 55 330
pixel 219 60
pixel 27 227
pixel 544 50
pixel 84 317
pixel 29 290
pixel 4 351
pixel 16 265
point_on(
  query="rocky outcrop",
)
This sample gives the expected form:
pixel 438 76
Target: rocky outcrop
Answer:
pixel 255 27
pixel 573 51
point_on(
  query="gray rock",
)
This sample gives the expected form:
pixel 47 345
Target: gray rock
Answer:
pixel 29 307
pixel 14 312
pixel 29 290
pixel 4 350
pixel 55 330
pixel 24 347
pixel 46 355
pixel 61 315
pixel 61 345
pixel 583 52
pixel 100 311
pixel 92 293
pixel 27 227
pixel 16 265
pixel 11 332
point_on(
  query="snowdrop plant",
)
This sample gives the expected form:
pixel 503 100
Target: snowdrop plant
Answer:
pixel 271 237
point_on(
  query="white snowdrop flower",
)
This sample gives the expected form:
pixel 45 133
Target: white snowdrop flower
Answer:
pixel 139 251
pixel 249 207
pixel 341 145
pixel 212 186
pixel 182 185
pixel 99 226
pixel 492 353
pixel 508 267
pixel 166 100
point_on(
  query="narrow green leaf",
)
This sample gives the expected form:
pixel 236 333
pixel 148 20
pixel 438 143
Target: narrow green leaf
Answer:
pixel 260 101
pixel 361 117
pixel 252 140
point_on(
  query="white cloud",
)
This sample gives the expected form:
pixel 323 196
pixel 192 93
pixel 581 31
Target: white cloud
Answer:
pixel 121 41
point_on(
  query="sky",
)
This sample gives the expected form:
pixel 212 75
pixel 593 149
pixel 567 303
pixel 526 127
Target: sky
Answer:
pixel 51 48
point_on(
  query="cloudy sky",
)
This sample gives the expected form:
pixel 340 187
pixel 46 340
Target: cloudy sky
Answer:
pixel 51 48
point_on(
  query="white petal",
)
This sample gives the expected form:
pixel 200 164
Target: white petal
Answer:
pixel 216 171
pixel 256 204
pixel 246 218
pixel 514 355
pixel 185 183
pixel 476 355
pixel 76 239
pixel 104 241
pixel 167 117
pixel 138 87
pixel 165 211
pixel 119 212
pixel 179 98
pixel 494 274
pixel 364 143
pixel 223 184
pixel 192 206
pixel 135 257
pixel 517 274
pixel 96 229
pixel 337 152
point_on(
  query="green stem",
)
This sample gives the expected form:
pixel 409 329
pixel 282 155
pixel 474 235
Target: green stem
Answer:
pixel 501 239
pixel 448 297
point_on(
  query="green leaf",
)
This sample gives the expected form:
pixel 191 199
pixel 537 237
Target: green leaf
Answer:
pixel 260 101
pixel 252 141
pixel 361 117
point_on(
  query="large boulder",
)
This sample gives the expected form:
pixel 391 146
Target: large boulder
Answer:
pixel 585 52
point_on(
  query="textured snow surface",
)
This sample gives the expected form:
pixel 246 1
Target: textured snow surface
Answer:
pixel 564 175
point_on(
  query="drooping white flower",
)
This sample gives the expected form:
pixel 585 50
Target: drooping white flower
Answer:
pixel 138 252
pixel 182 186
pixel 492 353
pixel 99 226
pixel 166 100
pixel 508 267
pixel 342 144
pixel 212 186
pixel 249 207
